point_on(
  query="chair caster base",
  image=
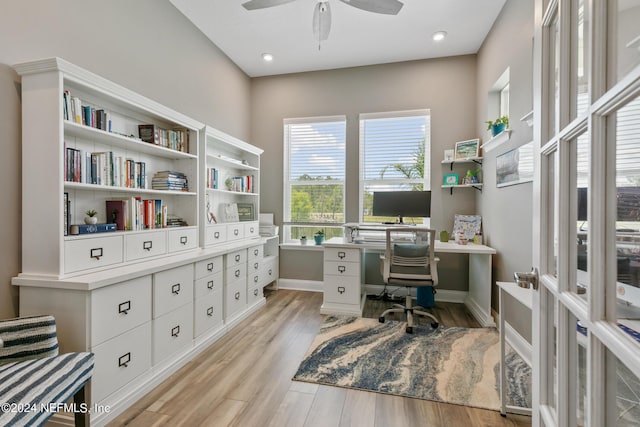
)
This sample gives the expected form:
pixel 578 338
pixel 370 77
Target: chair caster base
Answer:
pixel 409 329
pixel 435 325
pixel 503 415
pixel 381 319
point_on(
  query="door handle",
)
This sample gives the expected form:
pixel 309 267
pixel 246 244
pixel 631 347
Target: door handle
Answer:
pixel 527 280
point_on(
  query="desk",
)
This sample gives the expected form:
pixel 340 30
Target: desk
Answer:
pixel 343 273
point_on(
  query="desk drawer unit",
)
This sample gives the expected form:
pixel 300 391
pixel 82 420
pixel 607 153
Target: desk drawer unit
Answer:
pixel 171 289
pixel 215 234
pixel 145 245
pixel 342 289
pixel 172 332
pixel 85 254
pixel 182 239
pixel 120 360
pixel 342 255
pixel 118 308
pixel 341 268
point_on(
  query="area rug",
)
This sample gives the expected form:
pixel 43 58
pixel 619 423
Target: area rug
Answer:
pixel 449 364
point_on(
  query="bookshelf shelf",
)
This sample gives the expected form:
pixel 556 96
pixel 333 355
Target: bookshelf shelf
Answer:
pixel 239 193
pixel 96 187
pixel 231 163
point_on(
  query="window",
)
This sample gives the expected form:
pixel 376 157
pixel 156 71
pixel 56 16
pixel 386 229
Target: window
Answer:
pixel 394 155
pixel 314 150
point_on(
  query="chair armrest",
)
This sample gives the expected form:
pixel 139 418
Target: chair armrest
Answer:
pixel 26 338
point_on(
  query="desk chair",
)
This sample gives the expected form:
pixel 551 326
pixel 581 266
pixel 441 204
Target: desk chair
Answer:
pixel 409 261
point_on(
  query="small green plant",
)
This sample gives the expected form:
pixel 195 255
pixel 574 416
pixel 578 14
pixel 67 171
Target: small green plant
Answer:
pixel 319 233
pixel 91 213
pixel 500 120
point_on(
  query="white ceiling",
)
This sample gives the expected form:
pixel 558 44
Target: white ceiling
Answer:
pixel 357 37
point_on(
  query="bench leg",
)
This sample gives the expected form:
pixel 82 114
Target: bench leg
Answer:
pixel 81 419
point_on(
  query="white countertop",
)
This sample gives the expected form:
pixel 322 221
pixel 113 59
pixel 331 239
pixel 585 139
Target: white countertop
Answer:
pixel 440 247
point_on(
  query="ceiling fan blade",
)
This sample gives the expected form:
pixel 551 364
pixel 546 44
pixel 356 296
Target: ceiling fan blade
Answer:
pixel 387 7
pixel 321 20
pixel 262 4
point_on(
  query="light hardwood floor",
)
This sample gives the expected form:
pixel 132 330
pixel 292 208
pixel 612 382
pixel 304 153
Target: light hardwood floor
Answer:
pixel 244 379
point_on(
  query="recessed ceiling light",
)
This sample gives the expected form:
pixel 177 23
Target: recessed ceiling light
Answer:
pixel 439 35
pixel 267 57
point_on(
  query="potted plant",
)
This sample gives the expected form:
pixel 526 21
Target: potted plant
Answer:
pixel 91 217
pixel 303 240
pixel 472 176
pixel 318 237
pixel 498 125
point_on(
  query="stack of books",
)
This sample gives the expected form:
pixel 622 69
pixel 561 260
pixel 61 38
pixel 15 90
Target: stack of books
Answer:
pixel 170 180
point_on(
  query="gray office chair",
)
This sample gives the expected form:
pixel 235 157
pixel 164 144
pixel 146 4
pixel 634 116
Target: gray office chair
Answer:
pixel 409 261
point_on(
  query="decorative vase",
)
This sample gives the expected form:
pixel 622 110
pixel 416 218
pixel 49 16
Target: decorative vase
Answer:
pixel 90 219
pixel 497 129
pixel 318 239
pixel 444 236
pixel 303 240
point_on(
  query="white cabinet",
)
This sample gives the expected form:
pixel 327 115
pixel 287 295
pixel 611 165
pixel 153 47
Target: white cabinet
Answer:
pixel 208 295
pixel 342 281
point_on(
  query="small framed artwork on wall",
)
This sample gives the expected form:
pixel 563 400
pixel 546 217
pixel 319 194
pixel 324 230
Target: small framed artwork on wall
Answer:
pixel 467 149
pixel 450 179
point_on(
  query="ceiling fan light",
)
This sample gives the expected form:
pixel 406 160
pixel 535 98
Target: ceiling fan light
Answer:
pixel 439 35
pixel 267 57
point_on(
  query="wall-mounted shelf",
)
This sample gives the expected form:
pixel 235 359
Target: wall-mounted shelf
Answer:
pixel 477 160
pixel 497 140
pixel 477 186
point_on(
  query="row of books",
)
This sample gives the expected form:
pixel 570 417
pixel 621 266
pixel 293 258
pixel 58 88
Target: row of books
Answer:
pixel 170 181
pixel 212 179
pixel 135 213
pixel 175 139
pixel 243 184
pixel 103 168
pixel 84 114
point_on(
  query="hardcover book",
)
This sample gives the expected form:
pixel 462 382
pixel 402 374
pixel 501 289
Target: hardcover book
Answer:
pixel 91 228
pixel 116 213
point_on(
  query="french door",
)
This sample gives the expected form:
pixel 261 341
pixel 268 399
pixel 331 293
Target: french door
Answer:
pixel 586 364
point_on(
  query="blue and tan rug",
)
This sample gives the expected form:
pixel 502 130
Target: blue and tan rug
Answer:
pixel 449 364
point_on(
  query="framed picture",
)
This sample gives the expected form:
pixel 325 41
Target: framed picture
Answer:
pixel 245 212
pixel 450 179
pixel 467 149
pixel 469 225
pixel 515 166
pixel 230 212
pixel 448 155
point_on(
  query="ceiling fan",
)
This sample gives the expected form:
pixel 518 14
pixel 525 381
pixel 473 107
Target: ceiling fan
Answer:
pixel 322 11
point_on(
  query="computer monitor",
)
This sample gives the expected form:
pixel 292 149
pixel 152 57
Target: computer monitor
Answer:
pixel 628 202
pixel 402 204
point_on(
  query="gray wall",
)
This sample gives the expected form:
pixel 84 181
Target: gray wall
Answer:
pixel 145 45
pixel 506 212
pixel 447 86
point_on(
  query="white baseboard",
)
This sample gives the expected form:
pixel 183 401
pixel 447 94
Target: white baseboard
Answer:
pixel 301 285
pixel 444 295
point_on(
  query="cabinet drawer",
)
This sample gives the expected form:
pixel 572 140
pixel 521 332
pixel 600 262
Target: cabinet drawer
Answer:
pixel 145 245
pixel 171 289
pixel 182 239
pixel 83 254
pixel 254 279
pixel 254 265
pixel 236 258
pixel 208 312
pixel 120 360
pixel 254 295
pixel 251 229
pixel 341 268
pixel 269 271
pixel 236 273
pixel 235 231
pixel 119 308
pixel 172 333
pixel 342 290
pixel 215 234
pixel 208 266
pixel 343 255
pixel 255 252
pixel 235 297
pixel 208 285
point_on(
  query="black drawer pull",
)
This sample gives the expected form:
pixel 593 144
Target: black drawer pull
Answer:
pixel 175 331
pixel 255 292
pixel 255 251
pixel 216 235
pixel 210 284
pixel 124 360
pixel 124 307
pixel 183 240
pixel 255 279
pixel 342 255
pixel 210 311
pixel 210 266
pixel 270 272
pixel 175 289
pixel 342 268
pixel 237 273
pixel 235 231
pixel 96 253
pixel 255 266
pixel 341 289
pixel 147 245
pixel 237 258
pixel 237 295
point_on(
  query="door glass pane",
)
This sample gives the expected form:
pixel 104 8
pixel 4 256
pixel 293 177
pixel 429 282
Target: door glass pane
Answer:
pixel 554 61
pixel 581 376
pixel 627 37
pixel 553 215
pixel 627 396
pixel 581 69
pixel 582 150
pixel 628 214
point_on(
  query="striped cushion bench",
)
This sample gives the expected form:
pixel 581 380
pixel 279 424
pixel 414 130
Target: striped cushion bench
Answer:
pixel 36 382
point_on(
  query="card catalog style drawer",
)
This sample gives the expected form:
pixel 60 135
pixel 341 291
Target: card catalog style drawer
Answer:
pixel 251 229
pixel 208 285
pixel 236 258
pixel 215 234
pixel 236 273
pixel 120 360
pixel 254 266
pixel 145 245
pixel 254 295
pixel 340 268
pixel 341 290
pixel 269 271
pixel 344 255
pixel 255 252
pixel 235 231
pixel 172 333
pixel 235 298
pixel 182 239
pixel 254 279
pixel 119 308
pixel 208 312
pixel 208 266
pixel 84 254
pixel 172 288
